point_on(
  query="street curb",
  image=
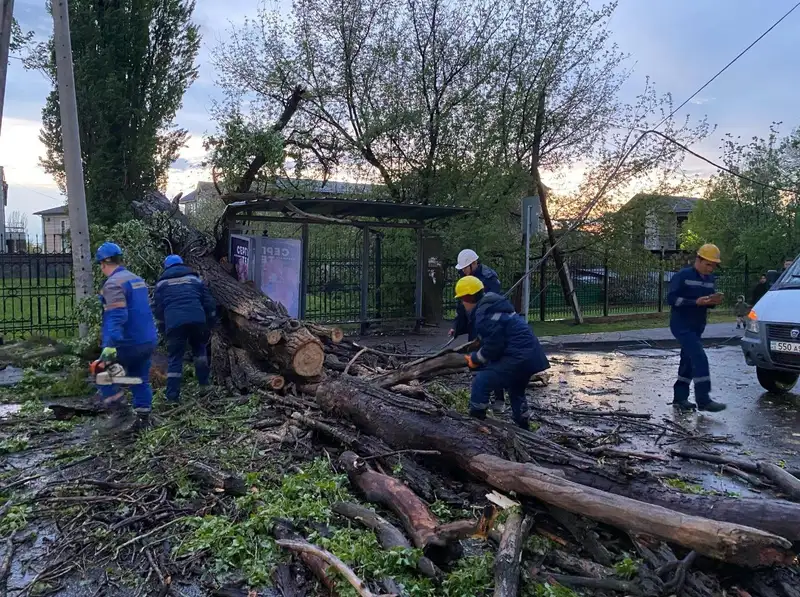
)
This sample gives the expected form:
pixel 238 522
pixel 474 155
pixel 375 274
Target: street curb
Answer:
pixel 631 344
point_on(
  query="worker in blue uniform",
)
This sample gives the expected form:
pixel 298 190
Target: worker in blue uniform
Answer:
pixel 129 337
pixel 691 295
pixel 468 264
pixel 509 353
pixel 185 311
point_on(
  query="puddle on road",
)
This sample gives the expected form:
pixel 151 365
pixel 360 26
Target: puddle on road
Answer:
pixel 6 410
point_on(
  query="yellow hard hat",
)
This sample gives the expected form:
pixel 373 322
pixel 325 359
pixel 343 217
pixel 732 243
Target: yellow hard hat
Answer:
pixel 709 252
pixel 468 285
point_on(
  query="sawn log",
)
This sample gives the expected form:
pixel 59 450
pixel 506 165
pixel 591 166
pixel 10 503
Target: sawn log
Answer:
pixel 479 449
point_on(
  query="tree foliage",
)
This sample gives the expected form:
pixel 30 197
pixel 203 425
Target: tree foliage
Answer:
pixel 750 220
pixel 438 101
pixel 133 61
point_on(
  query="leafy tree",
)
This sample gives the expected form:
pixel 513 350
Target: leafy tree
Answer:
pixel 748 218
pixel 133 61
pixel 19 38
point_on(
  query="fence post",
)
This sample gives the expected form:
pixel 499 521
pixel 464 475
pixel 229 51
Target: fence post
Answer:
pixel 746 278
pixel 661 281
pixel 543 285
pixel 378 276
pixel 605 284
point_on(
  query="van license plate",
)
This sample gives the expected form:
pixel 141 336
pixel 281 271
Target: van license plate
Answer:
pixel 793 347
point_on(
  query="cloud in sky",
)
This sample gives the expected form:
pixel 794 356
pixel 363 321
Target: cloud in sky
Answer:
pixel 680 44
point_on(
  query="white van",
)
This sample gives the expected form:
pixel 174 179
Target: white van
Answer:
pixel 771 340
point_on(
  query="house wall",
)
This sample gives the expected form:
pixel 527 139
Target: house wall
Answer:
pixel 661 231
pixel 55 231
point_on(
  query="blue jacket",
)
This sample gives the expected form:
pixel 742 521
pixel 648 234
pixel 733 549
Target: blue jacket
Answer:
pixel 127 318
pixel 491 283
pixel 685 288
pixel 505 337
pixel 181 298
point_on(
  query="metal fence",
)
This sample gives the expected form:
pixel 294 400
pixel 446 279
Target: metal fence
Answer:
pixel 37 295
pixel 37 290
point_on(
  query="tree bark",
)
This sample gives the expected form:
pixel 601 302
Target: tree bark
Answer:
pixel 417 519
pixel 787 483
pixel 480 450
pixel 448 363
pixel 222 481
pixel 250 318
pixel 509 555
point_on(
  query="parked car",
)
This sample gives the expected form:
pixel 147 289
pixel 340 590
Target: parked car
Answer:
pixel 771 340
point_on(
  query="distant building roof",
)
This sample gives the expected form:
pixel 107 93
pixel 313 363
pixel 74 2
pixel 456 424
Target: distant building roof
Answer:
pixel 667 203
pixel 53 211
pixel 301 186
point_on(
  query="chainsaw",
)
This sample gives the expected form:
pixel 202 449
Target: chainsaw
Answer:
pixel 107 373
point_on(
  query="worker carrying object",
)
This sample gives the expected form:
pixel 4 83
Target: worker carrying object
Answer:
pixel 468 265
pixel 691 295
pixel 186 312
pixel 509 354
pixel 129 337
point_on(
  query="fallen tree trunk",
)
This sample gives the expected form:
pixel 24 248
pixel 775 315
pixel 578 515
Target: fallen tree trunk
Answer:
pixel 509 555
pixel 417 519
pixel 221 481
pixel 786 482
pixel 253 321
pixel 479 449
pixel 447 363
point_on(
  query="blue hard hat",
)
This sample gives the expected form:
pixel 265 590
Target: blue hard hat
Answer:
pixel 172 260
pixel 107 250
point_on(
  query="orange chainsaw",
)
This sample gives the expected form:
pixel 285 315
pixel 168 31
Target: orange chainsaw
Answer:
pixel 107 373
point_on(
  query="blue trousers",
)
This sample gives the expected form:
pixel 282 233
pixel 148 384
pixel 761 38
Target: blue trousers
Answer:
pixel 497 377
pixel 136 361
pixel 693 368
pixel 196 336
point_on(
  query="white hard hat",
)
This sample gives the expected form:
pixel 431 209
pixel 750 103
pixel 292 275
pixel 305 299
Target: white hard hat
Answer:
pixel 466 257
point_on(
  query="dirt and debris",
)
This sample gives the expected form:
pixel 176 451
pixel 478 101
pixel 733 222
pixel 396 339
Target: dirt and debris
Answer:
pixel 244 493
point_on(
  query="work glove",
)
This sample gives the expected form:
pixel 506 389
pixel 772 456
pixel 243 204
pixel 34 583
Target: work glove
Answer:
pixel 109 354
pixel 470 363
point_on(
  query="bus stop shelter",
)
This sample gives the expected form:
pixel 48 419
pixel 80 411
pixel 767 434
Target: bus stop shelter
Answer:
pixel 366 215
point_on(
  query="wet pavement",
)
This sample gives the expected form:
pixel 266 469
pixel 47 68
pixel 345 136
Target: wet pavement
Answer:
pixel 768 426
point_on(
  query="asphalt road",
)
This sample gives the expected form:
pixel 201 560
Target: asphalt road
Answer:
pixel 768 426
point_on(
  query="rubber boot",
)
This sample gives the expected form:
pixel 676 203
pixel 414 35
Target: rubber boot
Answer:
pixel 142 422
pixel 120 419
pixel 477 413
pixel 712 407
pixel 523 423
pixel 684 406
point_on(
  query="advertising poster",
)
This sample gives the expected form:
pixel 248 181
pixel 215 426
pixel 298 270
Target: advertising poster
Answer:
pixel 281 263
pixel 240 257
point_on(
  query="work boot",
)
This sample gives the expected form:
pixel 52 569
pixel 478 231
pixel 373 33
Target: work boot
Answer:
pixel 523 423
pixel 120 419
pixel 684 406
pixel 498 407
pixel 712 407
pixel 477 413
pixel 142 422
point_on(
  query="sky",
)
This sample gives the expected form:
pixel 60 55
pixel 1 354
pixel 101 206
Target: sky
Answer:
pixel 679 44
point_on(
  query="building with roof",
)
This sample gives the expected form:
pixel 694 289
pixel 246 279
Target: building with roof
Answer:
pixel 55 229
pixel 658 220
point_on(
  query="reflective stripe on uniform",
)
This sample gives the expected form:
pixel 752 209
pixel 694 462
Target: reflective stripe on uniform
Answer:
pixel 699 283
pixel 175 375
pixel 137 285
pixel 684 379
pixel 181 280
pixel 497 316
pixel 702 379
pixel 480 356
pixel 679 301
pixel 112 306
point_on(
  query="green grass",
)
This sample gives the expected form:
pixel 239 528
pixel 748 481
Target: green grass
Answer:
pixel 566 327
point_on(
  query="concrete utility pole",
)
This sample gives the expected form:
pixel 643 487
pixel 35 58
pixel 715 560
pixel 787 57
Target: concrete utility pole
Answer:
pixel 73 166
pixel 6 18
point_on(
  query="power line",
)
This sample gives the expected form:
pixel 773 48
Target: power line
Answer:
pixel 724 68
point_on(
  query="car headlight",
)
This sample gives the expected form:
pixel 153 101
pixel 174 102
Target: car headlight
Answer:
pixel 752 322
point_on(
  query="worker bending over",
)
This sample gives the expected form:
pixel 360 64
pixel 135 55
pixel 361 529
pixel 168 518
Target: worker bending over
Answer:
pixel 691 295
pixel 186 312
pixel 128 336
pixel 509 353
pixel 467 264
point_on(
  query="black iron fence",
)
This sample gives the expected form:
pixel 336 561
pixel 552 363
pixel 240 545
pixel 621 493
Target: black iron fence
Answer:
pixel 37 289
pixel 37 295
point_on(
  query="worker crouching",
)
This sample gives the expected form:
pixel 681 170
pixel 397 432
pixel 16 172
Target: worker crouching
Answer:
pixel 509 353
pixel 128 336
pixel 186 312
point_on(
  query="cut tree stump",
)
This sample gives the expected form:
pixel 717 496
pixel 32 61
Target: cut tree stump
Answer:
pixel 221 481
